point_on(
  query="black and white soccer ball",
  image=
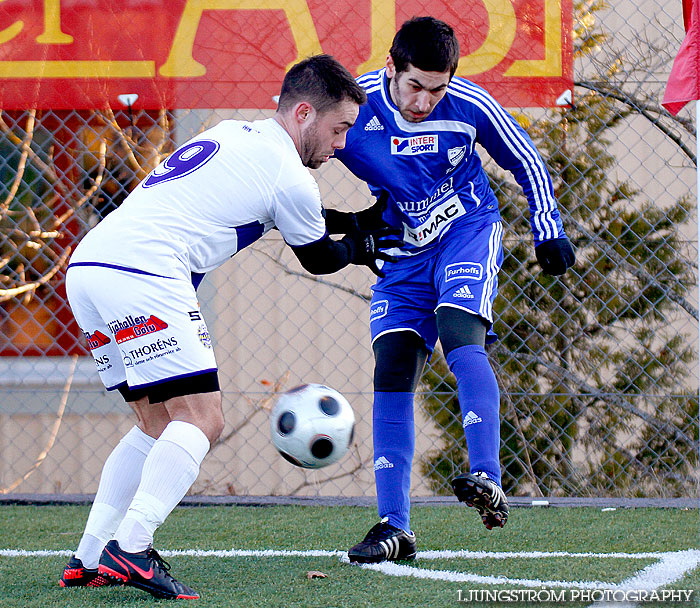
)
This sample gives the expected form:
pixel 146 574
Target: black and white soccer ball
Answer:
pixel 312 426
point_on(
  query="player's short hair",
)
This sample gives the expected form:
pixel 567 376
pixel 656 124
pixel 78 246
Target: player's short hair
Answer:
pixel 322 81
pixel 427 44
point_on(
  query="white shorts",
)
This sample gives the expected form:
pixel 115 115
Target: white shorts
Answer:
pixel 141 329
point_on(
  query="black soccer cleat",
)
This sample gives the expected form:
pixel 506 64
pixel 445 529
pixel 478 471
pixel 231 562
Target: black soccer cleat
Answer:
pixel 479 491
pixel 77 575
pixel 384 542
pixel 144 570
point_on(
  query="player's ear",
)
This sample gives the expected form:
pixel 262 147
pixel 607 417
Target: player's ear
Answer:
pixel 390 67
pixel 303 112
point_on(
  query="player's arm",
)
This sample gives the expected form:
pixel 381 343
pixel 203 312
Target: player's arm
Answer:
pixel 342 222
pixel 298 216
pixel 513 149
pixel 360 247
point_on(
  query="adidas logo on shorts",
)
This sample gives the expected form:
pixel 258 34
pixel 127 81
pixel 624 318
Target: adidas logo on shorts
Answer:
pixel 463 292
pixel 471 418
pixel 382 463
pixel 374 125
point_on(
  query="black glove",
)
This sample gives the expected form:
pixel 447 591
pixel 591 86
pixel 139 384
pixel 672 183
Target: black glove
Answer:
pixel 371 218
pixel 555 256
pixel 364 245
pixel 342 222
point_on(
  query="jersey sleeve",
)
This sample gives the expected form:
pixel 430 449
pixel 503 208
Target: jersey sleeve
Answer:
pixel 298 213
pixel 511 147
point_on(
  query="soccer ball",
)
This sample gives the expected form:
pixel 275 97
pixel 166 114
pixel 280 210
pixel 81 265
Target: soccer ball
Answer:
pixel 312 426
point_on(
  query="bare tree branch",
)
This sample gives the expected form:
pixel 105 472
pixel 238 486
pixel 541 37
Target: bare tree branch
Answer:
pixel 91 191
pixel 309 277
pixel 29 288
pixel 53 433
pixel 25 148
pixel 609 250
pixel 558 374
pixel 646 110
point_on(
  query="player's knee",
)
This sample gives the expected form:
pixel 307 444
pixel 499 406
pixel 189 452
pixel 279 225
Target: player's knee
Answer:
pixel 216 427
pixel 152 418
pixel 399 360
pixel 202 410
pixel 458 328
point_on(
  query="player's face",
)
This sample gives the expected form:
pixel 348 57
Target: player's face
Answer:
pixel 415 92
pixel 326 133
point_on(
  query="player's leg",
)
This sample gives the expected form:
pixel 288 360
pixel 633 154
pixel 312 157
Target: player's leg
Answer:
pixel 121 472
pixel 172 466
pixel 402 323
pixel 466 278
pixel 462 335
pixel 399 360
pixel 120 477
pixel 153 420
pixel 168 355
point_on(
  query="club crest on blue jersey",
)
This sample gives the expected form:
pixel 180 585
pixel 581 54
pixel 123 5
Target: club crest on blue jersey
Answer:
pixel 455 155
pixel 412 146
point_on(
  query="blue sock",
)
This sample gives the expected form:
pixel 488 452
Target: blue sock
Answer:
pixel 394 441
pixel 479 401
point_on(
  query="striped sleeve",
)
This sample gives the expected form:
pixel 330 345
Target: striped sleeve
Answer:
pixel 372 81
pixel 511 147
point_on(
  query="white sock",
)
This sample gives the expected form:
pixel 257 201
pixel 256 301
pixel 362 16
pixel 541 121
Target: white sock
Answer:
pixel 120 478
pixel 168 473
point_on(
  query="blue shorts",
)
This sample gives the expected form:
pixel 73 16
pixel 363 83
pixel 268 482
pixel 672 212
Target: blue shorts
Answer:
pixel 462 272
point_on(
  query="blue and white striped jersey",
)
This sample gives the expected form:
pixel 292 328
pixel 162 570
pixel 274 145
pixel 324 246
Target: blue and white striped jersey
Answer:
pixel 431 169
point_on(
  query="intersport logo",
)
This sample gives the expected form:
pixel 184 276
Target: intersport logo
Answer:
pixel 411 146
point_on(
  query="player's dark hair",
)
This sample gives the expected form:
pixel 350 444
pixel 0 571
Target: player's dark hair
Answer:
pixel 427 44
pixel 322 81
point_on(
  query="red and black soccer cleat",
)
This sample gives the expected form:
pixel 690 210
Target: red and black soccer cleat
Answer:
pixel 144 570
pixel 77 575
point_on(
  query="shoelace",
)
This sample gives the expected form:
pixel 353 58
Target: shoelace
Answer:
pixel 379 532
pixel 160 562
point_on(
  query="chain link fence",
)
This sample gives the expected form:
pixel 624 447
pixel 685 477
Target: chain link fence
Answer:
pixel 598 369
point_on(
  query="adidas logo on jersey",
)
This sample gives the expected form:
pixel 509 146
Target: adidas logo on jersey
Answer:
pixel 382 463
pixel 463 292
pixel 471 418
pixel 374 125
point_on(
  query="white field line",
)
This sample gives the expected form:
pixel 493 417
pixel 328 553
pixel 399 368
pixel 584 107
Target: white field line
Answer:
pixel 323 553
pixel 669 567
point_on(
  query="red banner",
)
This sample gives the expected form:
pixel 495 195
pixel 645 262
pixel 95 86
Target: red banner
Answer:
pixel 83 54
pixel 684 81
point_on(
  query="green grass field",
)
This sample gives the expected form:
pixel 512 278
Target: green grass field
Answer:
pixel 434 579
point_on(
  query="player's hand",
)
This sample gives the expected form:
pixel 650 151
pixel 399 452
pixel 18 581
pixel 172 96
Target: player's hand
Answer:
pixel 555 256
pixel 371 218
pixel 365 246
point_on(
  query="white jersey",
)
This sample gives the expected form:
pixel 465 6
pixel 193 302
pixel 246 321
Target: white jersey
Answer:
pixel 214 195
